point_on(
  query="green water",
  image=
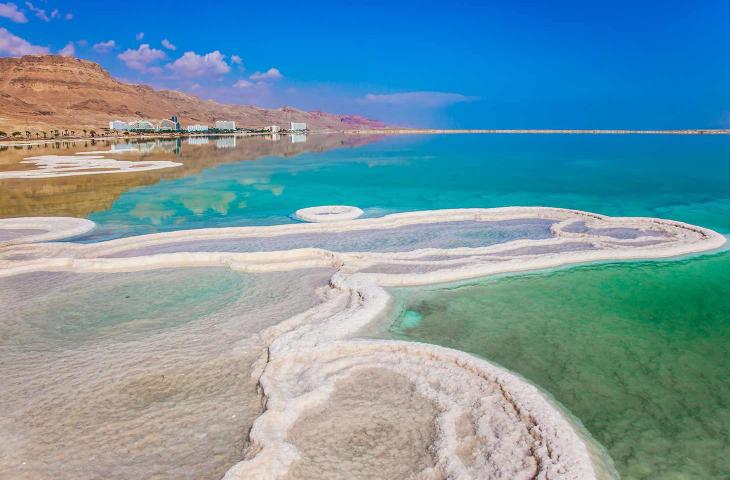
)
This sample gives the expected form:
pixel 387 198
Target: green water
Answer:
pixel 639 352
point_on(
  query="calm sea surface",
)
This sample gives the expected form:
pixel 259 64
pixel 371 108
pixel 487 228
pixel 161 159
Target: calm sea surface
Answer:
pixel 640 352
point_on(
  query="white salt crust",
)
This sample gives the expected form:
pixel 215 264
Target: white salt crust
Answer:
pixel 516 432
pixel 41 229
pixel 329 213
pixel 49 166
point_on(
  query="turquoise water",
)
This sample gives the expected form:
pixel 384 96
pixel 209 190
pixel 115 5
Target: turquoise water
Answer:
pixel 639 352
pixel 682 177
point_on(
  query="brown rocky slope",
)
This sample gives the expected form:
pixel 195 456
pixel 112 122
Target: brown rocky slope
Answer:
pixel 45 92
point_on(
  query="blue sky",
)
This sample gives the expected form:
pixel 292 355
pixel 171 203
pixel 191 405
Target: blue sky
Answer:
pixel 559 64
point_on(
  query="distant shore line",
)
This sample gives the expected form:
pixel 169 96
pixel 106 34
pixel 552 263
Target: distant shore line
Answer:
pixel 423 131
pixel 382 131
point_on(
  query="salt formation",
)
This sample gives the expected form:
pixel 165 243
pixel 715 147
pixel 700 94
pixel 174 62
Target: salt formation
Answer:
pixel 41 229
pixel 49 166
pixel 329 213
pixel 485 422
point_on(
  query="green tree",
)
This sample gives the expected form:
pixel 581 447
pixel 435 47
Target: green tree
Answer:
pixel 17 134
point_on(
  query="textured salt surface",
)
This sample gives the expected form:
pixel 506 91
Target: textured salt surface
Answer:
pixel 374 425
pixel 135 375
pixel 488 423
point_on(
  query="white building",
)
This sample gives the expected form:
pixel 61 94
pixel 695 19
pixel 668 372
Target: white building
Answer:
pixel 118 125
pixel 141 125
pixel 167 125
pixel 228 125
pixel 197 128
pixel 274 129
pixel 298 127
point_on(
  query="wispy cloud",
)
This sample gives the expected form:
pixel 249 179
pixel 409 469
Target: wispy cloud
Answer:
pixel 10 11
pixel 193 65
pixel 139 36
pixel 243 84
pixel 270 74
pixel 236 59
pixel 418 99
pixel 15 46
pixel 168 44
pixel 142 58
pixel 47 17
pixel 68 51
pixel 103 47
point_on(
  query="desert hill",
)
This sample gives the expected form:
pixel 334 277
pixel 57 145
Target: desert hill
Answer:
pixel 44 92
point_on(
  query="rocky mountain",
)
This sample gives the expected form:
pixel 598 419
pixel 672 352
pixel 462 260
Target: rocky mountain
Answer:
pixel 44 92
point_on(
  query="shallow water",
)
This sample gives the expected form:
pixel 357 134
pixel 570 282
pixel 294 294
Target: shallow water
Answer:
pixel 135 375
pixel 639 352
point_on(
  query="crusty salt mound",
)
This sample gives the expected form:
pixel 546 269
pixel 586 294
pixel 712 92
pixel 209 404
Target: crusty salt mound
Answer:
pixel 49 166
pixel 473 419
pixel 329 213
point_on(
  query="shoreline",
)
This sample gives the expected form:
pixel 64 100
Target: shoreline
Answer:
pixel 384 131
pixel 427 131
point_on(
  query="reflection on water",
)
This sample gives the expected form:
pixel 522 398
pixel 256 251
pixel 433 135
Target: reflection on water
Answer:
pixel 685 178
pixel 80 196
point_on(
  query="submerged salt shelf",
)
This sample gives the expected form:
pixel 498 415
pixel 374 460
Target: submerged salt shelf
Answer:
pixel 477 419
pixel 50 166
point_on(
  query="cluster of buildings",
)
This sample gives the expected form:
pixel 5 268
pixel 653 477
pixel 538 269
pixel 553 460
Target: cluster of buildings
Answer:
pixel 173 125
pixel 170 125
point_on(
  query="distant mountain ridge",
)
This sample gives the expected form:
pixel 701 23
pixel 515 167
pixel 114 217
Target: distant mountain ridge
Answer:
pixel 43 92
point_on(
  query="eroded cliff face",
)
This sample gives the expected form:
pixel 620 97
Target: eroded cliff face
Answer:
pixel 44 92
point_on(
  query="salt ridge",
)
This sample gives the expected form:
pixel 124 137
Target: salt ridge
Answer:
pixel 309 352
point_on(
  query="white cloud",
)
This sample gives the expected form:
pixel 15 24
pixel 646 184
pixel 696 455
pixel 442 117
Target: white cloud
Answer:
pixel 141 58
pixel 139 36
pixel 15 46
pixel 69 16
pixel 418 99
pixel 103 47
pixel 10 10
pixel 168 44
pixel 193 65
pixel 55 13
pixel 242 84
pixel 270 74
pixel 39 12
pixel 68 51
pixel 236 59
